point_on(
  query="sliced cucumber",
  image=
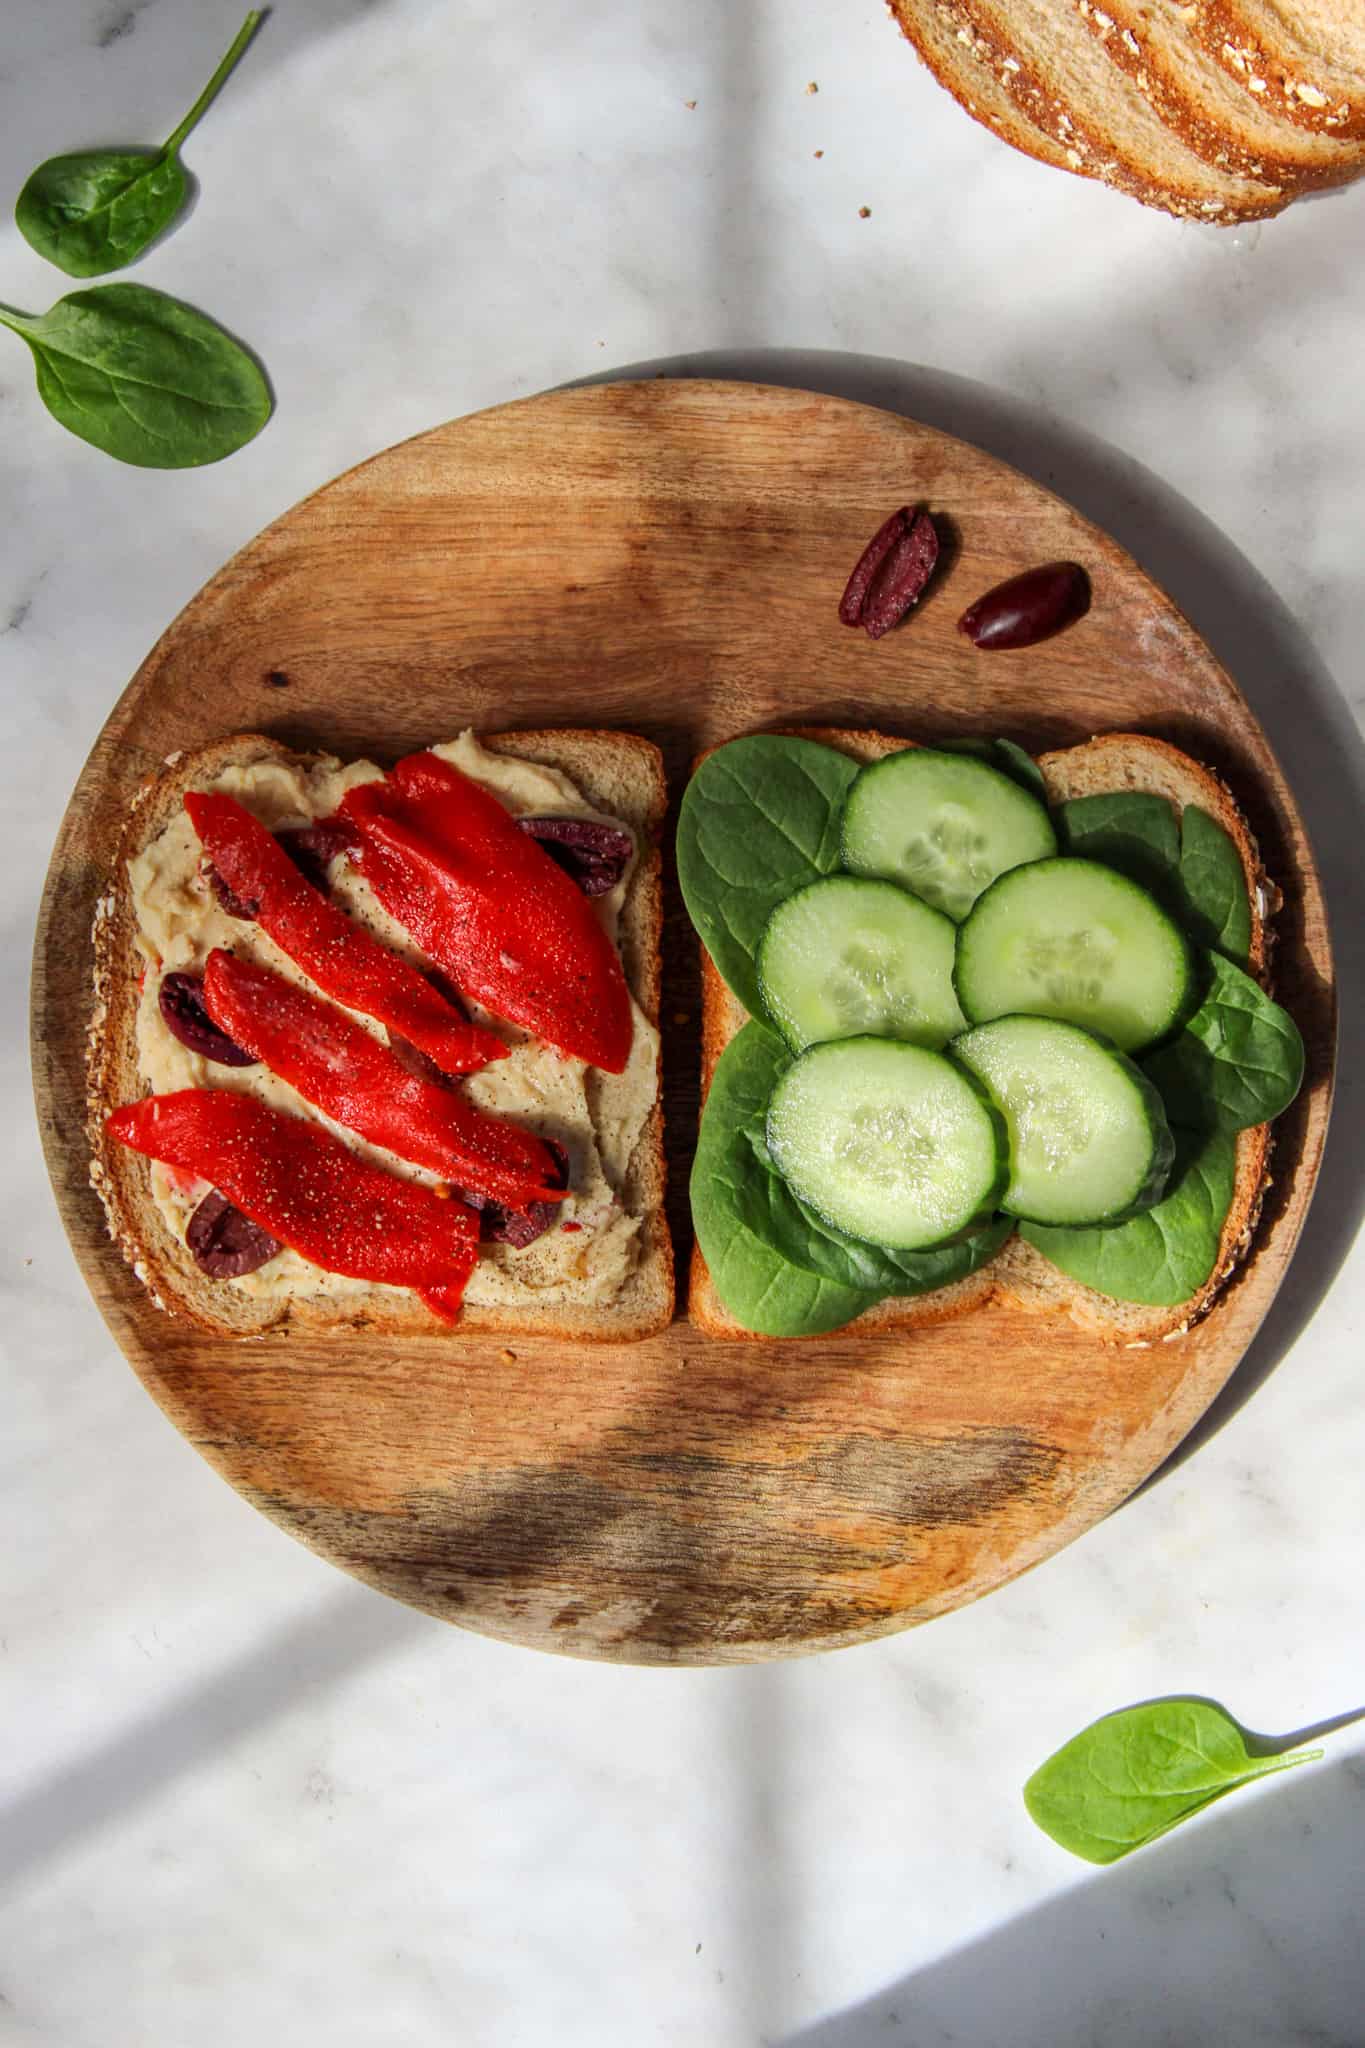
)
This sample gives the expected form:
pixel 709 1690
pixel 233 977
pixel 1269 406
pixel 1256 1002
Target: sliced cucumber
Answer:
pixel 890 1142
pixel 1089 1142
pixel 944 825
pixel 1071 939
pixel 847 956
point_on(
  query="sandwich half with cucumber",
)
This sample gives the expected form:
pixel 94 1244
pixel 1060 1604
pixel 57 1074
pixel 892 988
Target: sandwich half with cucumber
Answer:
pixel 975 1024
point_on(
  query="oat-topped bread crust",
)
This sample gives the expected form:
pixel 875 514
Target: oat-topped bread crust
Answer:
pixel 1306 59
pixel 1193 94
pixel 1214 110
pixel 1072 107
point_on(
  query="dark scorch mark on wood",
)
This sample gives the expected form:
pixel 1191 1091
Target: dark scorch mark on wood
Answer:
pixel 708 1550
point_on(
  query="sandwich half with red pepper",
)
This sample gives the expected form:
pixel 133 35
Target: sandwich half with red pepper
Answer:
pixel 379 1045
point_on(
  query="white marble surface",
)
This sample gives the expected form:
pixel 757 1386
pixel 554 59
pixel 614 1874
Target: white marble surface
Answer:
pixel 248 1800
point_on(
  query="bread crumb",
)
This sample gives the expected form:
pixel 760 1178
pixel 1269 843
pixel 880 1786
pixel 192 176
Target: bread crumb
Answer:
pixel 812 87
pixel 819 152
pixel 864 213
pixel 509 1356
pixel 691 106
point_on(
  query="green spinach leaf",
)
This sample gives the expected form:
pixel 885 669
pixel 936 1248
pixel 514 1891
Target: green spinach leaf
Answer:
pixel 1131 1776
pixel 1129 830
pixel 144 377
pixel 1192 867
pixel 1237 1062
pixel 763 1290
pixel 759 819
pixel 1165 1255
pixel 97 209
pixel 770 1209
pixel 1010 759
pixel 1218 912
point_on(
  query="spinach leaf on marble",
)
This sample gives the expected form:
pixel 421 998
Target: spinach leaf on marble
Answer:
pixel 96 210
pixel 1133 1775
pixel 143 376
pixel 1164 1256
pixel 759 819
pixel 1238 1061
pixel 761 1288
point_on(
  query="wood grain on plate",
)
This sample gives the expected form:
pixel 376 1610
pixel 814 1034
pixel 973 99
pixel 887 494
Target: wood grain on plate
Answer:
pixel 668 557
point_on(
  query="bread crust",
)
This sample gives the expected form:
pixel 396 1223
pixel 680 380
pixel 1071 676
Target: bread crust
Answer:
pixel 1307 90
pixel 1019 1273
pixel 985 74
pixel 1267 147
pixel 618 771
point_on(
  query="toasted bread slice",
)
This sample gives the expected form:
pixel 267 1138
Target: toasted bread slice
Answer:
pixel 1068 106
pixel 948 49
pixel 723 1016
pixel 1135 761
pixel 617 773
pixel 1207 109
pixel 1306 59
pixel 1112 761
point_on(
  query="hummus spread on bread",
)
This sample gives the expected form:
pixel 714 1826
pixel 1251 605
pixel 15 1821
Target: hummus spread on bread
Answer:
pixel 597 1117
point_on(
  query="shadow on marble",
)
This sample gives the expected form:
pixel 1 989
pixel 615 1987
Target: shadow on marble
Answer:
pixel 1261 644
pixel 1244 1927
pixel 296 1663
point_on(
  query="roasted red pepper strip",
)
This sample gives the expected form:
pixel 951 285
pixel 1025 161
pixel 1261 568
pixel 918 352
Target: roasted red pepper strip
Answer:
pixel 443 1301
pixel 307 1189
pixel 491 908
pixel 338 1065
pixel 341 957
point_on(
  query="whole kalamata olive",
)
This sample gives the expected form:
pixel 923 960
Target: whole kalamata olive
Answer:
pixel 1028 608
pixel 225 1243
pixel 181 1002
pixel 595 855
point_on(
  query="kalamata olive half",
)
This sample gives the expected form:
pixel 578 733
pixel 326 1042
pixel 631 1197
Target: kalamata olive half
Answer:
pixel 313 848
pixel 235 905
pixel 595 855
pixel 1028 608
pixel 225 1243
pixel 892 572
pixel 181 1001
pixel 520 1227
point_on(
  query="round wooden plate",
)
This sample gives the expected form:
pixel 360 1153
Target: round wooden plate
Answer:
pixel 667 557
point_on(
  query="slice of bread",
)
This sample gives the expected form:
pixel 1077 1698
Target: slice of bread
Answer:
pixel 949 50
pixel 1198 101
pixel 1064 89
pixel 1111 762
pixel 1067 75
pixel 1135 761
pixel 617 773
pixel 1307 60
